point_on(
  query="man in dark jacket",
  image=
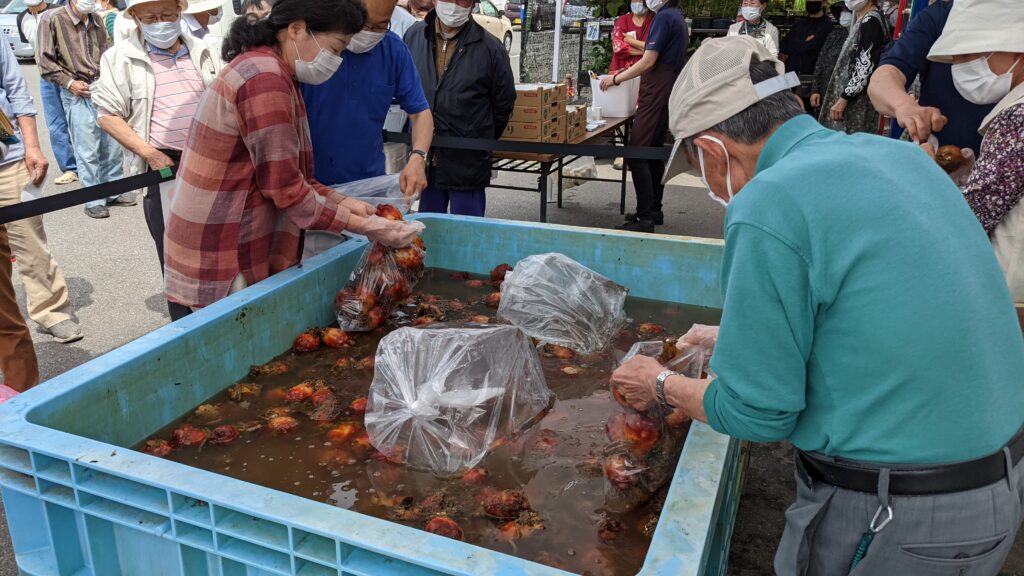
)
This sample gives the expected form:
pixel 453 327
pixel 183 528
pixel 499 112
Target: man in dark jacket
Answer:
pixel 468 83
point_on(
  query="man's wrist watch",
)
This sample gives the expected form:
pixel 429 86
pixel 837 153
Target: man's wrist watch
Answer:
pixel 659 387
pixel 420 153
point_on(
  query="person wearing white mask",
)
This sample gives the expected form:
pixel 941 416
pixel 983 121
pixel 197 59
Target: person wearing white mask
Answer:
pixel 826 63
pixel 984 43
pixel 846 105
pixel 70 42
pixel 245 190
pixel 863 313
pixel 200 16
pixel 663 59
pixel 149 89
pixel 754 24
pixel 347 113
pixel 467 79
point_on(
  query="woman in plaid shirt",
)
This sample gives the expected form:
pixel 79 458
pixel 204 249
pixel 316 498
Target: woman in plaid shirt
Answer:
pixel 245 190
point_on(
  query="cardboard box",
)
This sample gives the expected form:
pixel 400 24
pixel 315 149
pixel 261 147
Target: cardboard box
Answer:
pixel 529 131
pixel 540 94
pixel 533 113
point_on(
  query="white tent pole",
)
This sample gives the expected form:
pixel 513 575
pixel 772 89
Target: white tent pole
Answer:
pixel 558 41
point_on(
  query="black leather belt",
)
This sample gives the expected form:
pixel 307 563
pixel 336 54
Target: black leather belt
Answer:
pixel 912 480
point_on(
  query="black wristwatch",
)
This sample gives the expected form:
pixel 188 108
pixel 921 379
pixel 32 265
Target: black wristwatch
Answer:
pixel 420 153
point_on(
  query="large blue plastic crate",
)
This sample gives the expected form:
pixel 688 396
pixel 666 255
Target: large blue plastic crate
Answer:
pixel 79 503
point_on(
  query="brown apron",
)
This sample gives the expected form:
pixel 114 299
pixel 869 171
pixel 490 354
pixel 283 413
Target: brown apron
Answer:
pixel 650 126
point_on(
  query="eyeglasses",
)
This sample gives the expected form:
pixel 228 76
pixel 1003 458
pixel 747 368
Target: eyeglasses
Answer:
pixel 155 18
pixel 378 29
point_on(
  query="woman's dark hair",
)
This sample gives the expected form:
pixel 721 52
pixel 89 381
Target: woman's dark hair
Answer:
pixel 344 16
pixel 256 4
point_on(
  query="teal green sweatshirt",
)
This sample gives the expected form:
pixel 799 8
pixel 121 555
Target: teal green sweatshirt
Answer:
pixel 865 314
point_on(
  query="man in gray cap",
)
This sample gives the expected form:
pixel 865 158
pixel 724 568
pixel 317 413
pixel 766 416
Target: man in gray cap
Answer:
pixel 865 320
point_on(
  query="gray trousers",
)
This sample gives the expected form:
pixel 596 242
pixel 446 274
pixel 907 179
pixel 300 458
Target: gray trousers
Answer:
pixel 961 534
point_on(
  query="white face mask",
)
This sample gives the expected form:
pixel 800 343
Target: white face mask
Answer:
pixel 750 13
pixel 215 19
pixel 978 84
pixel 364 41
pixel 451 14
pixel 855 5
pixel 728 171
pixel 637 8
pixel 162 34
pixel 320 69
pixel 655 5
pixel 845 19
pixel 85 6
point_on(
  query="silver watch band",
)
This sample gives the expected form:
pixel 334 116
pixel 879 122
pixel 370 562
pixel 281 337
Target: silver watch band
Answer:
pixel 660 387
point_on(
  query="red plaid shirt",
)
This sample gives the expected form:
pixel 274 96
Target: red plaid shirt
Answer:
pixel 245 188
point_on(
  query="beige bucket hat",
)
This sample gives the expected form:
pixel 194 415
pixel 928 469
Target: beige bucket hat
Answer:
pixel 980 27
pixel 714 86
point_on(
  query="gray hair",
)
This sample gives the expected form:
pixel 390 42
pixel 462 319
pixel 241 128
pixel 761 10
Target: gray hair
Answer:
pixel 757 122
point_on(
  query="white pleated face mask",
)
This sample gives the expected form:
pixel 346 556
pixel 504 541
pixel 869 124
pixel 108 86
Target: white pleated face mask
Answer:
pixel 320 70
pixel 452 15
pixel 978 84
pixel 728 171
pixel 364 41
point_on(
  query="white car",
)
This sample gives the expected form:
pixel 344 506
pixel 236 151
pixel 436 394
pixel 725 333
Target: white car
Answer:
pixel 9 26
pixel 494 21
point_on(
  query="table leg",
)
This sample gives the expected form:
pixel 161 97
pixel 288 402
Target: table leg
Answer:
pixel 622 195
pixel 545 170
pixel 560 165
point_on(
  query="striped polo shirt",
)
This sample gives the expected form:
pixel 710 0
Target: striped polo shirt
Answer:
pixel 178 87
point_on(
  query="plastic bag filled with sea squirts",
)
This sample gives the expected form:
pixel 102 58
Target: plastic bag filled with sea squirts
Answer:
pixel 559 301
pixel 442 397
pixel 644 446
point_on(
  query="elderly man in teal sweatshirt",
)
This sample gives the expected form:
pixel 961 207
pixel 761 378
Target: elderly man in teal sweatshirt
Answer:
pixel 865 320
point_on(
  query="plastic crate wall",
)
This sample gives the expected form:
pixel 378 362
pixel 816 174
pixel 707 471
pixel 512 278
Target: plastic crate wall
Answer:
pixel 79 503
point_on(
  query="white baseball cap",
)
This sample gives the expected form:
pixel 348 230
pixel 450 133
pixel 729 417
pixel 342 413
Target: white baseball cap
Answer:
pixel 133 3
pixel 980 26
pixel 714 86
pixel 198 6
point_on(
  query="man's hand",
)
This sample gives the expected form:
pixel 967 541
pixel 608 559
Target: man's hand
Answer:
pixel 391 233
pixel 815 100
pixel 81 89
pixel 838 109
pixel 636 381
pixel 920 121
pixel 414 177
pixel 37 164
pixel 156 159
pixel 607 82
pixel 358 207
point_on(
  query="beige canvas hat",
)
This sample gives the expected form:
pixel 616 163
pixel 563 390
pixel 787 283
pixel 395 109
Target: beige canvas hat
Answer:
pixel 197 6
pixel 714 86
pixel 980 27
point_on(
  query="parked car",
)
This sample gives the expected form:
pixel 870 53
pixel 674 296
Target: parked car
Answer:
pixel 494 21
pixel 9 26
pixel 573 11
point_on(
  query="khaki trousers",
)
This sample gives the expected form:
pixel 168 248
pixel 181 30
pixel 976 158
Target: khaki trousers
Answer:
pixel 17 356
pixel 46 291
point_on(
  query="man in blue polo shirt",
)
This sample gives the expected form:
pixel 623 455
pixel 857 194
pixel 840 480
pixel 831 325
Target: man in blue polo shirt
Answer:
pixel 347 113
pixel 941 109
pixel 865 320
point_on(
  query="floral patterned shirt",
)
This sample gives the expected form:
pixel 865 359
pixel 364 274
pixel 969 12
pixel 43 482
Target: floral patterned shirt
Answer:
pixel 996 184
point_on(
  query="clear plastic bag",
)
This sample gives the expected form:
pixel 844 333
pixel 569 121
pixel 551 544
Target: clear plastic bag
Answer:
pixel 383 278
pixel 559 301
pixel 644 447
pixel 442 397
pixel 379 190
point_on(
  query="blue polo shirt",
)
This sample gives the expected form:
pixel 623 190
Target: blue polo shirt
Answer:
pixel 910 55
pixel 347 113
pixel 866 316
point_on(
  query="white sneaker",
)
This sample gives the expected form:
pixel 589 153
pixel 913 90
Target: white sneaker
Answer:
pixel 68 177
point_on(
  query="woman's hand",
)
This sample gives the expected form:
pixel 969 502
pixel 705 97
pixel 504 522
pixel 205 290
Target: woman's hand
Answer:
pixel 636 381
pixel 815 100
pixel 358 207
pixel 838 109
pixel 391 233
pixel 607 82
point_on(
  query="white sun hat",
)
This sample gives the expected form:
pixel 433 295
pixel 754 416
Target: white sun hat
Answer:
pixel 197 6
pixel 714 86
pixel 133 3
pixel 980 27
